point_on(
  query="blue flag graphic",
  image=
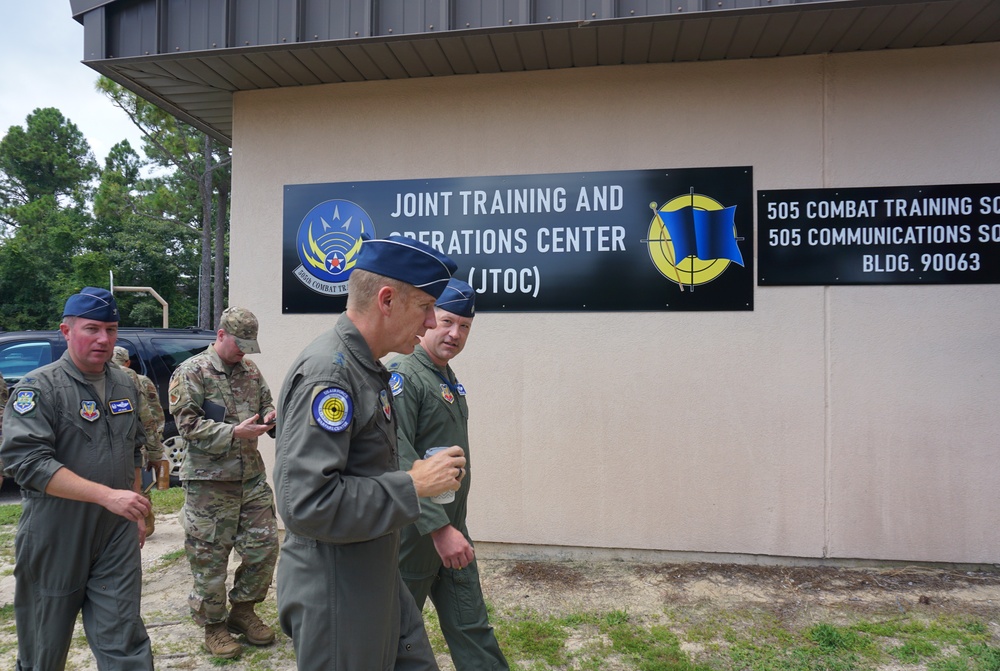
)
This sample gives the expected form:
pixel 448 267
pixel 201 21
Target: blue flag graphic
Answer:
pixel 706 234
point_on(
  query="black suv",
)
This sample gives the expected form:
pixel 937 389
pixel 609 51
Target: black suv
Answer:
pixel 154 352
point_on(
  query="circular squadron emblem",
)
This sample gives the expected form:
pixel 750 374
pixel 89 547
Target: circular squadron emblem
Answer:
pixel 327 244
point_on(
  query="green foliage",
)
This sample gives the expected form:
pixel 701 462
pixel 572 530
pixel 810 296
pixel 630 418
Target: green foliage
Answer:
pixel 652 649
pixel 60 230
pixel 531 637
pixel 912 652
pixel 10 513
pixel 193 190
pixel 48 157
pixel 167 501
pixel 833 639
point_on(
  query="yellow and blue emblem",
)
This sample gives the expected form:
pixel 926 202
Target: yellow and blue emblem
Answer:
pixel 328 242
pixel 120 406
pixel 446 393
pixel 692 239
pixel 24 401
pixel 332 409
pixel 89 411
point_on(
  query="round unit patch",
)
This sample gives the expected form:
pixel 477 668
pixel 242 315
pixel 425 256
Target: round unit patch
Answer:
pixel 396 384
pixel 332 409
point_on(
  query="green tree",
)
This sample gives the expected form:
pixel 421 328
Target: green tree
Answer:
pixel 194 191
pixel 46 173
pixel 48 157
pixel 140 244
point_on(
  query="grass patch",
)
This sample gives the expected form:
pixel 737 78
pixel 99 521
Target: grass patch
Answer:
pixel 531 637
pixel 164 561
pixel 166 500
pixel 10 513
pixel 653 649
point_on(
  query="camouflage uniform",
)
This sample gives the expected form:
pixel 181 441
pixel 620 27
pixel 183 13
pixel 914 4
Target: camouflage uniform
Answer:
pixel 152 449
pixel 151 416
pixel 228 502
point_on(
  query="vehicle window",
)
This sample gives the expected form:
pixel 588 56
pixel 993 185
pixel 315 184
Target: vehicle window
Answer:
pixel 174 351
pixel 135 363
pixel 22 357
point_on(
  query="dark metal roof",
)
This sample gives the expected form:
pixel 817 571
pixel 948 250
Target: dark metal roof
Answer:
pixel 190 56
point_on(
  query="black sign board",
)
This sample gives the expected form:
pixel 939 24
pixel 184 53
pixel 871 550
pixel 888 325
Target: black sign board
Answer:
pixel 946 234
pixel 606 241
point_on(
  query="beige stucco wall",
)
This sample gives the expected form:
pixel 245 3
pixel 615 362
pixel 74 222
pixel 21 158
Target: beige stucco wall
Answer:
pixel 830 422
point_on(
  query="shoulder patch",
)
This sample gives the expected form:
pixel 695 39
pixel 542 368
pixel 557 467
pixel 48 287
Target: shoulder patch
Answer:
pixel 396 384
pixel 332 408
pixel 338 358
pixel 25 401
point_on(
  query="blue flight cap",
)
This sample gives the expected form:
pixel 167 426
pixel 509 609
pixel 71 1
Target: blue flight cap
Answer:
pixel 407 260
pixel 459 298
pixel 92 303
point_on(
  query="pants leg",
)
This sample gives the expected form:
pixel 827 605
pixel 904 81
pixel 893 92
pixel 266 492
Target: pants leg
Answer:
pixel 420 589
pixel 44 623
pixel 111 612
pixel 414 652
pixel 256 543
pixel 458 598
pixel 211 518
pixel 48 589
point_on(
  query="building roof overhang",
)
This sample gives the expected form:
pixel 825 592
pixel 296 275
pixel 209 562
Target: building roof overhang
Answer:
pixel 194 76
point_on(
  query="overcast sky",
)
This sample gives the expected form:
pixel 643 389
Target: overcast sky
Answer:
pixel 41 47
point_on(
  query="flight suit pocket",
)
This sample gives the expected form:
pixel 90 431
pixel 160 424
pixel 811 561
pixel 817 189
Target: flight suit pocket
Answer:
pixel 469 604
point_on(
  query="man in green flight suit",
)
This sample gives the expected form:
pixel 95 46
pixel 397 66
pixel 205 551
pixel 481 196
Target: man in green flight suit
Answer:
pixel 72 440
pixel 221 405
pixel 436 555
pixel 339 488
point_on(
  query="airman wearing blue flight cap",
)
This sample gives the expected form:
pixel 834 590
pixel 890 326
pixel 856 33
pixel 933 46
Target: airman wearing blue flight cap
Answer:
pixel 407 260
pixel 436 556
pixel 339 488
pixel 92 303
pixel 72 438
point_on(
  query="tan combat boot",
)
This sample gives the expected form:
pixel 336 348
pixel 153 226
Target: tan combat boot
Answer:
pixel 242 620
pixel 218 642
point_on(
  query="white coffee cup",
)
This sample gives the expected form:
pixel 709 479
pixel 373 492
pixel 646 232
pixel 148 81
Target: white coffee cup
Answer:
pixel 448 496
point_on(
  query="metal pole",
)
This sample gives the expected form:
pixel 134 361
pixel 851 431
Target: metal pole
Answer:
pixel 151 292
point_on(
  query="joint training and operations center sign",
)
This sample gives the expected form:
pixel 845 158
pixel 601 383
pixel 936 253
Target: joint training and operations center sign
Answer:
pixel 943 234
pixel 606 241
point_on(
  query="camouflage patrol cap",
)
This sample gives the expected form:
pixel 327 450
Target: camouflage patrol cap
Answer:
pixel 120 356
pixel 242 325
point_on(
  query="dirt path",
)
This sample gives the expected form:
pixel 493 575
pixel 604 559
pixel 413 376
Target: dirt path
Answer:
pixel 794 595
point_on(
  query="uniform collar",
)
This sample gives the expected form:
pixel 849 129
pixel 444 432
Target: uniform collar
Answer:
pixel 423 357
pixel 356 344
pixel 221 365
pixel 75 372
